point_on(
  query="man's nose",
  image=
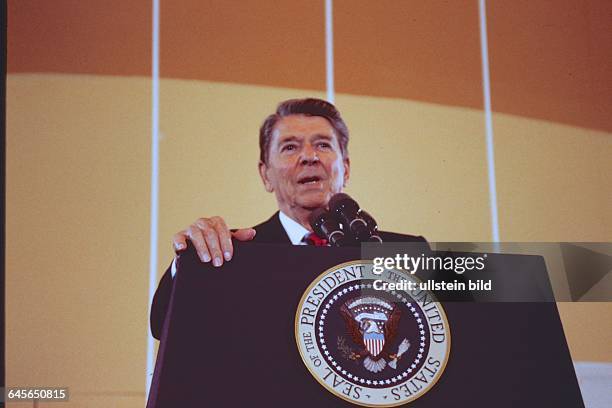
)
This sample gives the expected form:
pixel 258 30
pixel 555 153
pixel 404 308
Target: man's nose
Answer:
pixel 309 155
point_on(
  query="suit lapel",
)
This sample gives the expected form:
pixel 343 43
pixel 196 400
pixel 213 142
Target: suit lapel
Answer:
pixel 271 232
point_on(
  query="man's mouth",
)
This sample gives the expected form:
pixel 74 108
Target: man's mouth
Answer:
pixel 309 180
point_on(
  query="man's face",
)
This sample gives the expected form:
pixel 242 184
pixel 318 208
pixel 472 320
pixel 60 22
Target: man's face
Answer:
pixel 305 165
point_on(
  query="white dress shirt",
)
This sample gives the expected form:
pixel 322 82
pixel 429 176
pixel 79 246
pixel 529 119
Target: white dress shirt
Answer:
pixel 294 230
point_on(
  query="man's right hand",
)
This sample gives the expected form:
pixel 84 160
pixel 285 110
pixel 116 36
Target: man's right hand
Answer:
pixel 212 239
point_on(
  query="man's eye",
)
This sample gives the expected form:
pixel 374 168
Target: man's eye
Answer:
pixel 324 145
pixel 288 148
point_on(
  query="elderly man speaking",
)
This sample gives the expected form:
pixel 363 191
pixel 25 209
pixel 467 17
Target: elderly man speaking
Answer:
pixel 304 161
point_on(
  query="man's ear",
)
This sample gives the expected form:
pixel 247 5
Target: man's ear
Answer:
pixel 263 173
pixel 347 171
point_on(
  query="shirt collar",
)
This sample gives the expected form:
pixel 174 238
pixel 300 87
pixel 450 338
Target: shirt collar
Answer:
pixel 294 230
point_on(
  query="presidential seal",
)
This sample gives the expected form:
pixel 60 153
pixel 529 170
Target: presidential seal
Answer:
pixel 372 347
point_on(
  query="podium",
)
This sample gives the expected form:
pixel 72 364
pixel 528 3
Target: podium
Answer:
pixel 229 338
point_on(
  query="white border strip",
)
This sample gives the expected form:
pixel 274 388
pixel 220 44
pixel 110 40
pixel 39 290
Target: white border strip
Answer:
pixel 154 189
pixel 329 51
pixel 486 86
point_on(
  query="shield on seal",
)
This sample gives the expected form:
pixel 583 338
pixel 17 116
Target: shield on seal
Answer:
pixel 374 342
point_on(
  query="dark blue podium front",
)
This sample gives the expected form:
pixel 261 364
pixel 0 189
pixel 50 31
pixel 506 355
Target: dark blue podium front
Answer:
pixel 229 340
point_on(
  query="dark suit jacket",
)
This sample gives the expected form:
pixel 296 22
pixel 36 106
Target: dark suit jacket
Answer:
pixel 268 232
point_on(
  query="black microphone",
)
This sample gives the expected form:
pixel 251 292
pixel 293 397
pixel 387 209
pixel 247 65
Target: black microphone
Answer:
pixel 372 226
pixel 346 210
pixel 327 227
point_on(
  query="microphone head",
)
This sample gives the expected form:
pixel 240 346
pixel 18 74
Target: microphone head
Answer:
pixel 316 219
pixel 370 221
pixel 341 200
pixel 372 226
pixel 326 226
pixel 344 208
pixel 346 211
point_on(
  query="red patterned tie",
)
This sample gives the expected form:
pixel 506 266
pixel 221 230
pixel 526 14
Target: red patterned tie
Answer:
pixel 313 239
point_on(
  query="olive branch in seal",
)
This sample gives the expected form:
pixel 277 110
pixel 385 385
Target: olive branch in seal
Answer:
pixel 347 352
